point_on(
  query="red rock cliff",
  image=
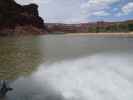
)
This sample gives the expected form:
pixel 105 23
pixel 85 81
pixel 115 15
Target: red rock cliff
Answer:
pixel 16 19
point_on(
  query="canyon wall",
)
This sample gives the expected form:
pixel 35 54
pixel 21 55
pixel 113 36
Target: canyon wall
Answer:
pixel 16 19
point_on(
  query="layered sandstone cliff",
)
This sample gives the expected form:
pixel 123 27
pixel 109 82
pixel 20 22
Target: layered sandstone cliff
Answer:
pixel 16 19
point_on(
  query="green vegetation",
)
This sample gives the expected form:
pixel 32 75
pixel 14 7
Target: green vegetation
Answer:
pixel 93 29
pixel 130 27
pixel 112 27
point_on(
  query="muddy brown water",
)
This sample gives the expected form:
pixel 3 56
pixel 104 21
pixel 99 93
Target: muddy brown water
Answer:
pixel 37 67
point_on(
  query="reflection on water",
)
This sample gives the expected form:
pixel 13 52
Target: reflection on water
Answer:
pixel 72 68
pixel 18 56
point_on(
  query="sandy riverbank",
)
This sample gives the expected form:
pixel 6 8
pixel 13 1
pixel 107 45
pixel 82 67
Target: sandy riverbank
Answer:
pixel 130 34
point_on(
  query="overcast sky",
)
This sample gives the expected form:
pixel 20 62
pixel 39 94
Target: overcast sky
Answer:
pixel 75 11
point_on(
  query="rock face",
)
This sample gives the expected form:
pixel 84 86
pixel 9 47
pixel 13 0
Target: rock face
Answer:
pixel 20 20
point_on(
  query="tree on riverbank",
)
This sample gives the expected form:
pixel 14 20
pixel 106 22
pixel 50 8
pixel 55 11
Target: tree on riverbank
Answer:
pixel 111 27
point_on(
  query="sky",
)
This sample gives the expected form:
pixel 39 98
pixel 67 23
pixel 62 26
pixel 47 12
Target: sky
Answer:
pixel 81 11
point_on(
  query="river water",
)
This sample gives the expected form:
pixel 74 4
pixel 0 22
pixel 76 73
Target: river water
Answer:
pixel 59 67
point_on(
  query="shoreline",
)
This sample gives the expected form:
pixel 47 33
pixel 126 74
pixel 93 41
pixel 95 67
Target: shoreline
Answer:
pixel 97 35
pixel 113 35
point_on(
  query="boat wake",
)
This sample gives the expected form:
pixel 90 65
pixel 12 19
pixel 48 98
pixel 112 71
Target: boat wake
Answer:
pixel 97 77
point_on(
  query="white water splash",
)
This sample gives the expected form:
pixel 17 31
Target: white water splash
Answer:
pixel 97 77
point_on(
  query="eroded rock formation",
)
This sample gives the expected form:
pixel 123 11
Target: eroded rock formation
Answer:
pixel 20 20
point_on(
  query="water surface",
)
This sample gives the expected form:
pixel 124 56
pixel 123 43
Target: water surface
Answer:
pixel 68 68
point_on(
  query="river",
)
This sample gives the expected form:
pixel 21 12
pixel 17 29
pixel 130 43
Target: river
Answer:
pixel 63 67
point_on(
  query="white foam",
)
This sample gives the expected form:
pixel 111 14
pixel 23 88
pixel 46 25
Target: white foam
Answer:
pixel 97 77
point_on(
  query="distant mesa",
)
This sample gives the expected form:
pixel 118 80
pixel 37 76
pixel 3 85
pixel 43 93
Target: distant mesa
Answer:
pixel 16 19
pixel 92 27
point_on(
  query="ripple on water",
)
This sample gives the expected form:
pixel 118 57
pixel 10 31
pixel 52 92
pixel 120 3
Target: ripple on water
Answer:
pixel 97 77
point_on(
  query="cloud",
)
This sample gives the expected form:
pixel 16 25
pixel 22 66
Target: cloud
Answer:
pixel 33 1
pixel 128 8
pixel 119 14
pixel 125 10
pixel 98 4
pixel 64 11
pixel 101 13
pixel 75 11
